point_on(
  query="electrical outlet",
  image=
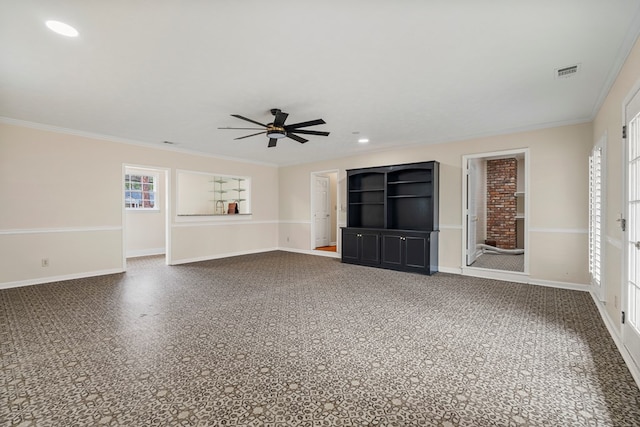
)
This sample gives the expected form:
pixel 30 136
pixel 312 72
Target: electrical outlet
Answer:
pixel 615 301
pixel 45 262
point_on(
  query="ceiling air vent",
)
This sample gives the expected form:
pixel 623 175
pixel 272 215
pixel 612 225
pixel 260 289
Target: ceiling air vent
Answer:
pixel 566 72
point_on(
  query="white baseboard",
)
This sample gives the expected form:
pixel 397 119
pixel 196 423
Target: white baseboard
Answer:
pixel 518 277
pixel 50 279
pixel 311 252
pixel 449 270
pixel 617 339
pixel 584 287
pixel 220 256
pixel 146 252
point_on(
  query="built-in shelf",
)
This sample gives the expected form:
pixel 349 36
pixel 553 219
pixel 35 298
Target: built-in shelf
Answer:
pixel 408 182
pixel 392 217
pixel 407 196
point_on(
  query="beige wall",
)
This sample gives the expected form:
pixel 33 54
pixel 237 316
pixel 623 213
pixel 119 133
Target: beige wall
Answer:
pixel 609 122
pixel 558 196
pixel 61 199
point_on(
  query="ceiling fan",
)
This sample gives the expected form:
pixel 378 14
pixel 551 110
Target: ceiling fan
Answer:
pixel 278 129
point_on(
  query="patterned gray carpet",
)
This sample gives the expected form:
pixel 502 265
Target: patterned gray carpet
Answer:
pixel 283 339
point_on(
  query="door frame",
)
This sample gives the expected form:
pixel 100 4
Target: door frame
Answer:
pixel 470 230
pixel 515 276
pixel 328 229
pixel 164 174
pixel 624 295
pixel 334 202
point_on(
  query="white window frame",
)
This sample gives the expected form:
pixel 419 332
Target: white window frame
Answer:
pixel 155 179
pixel 597 212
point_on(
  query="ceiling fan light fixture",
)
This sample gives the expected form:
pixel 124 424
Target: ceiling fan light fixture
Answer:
pixel 276 132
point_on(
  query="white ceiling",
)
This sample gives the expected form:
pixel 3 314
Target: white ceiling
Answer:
pixel 398 72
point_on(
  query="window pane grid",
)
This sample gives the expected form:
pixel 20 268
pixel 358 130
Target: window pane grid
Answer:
pixel 139 191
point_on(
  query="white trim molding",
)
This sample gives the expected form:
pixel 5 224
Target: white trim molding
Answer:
pixel 617 339
pixel 111 138
pixel 220 256
pixel 58 230
pixel 222 221
pixel 326 254
pixel 559 230
pixel 146 252
pixel 50 279
pixel 450 227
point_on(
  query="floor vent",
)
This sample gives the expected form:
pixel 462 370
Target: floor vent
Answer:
pixel 563 73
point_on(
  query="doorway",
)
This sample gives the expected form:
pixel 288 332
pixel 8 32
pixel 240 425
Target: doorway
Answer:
pixel 631 231
pixel 145 212
pixel 324 212
pixel 495 206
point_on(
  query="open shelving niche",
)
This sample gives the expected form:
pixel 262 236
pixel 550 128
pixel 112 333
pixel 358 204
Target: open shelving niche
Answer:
pixel 202 196
pixel 223 195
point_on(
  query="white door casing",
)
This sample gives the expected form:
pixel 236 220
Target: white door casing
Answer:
pixel 322 213
pixel 472 210
pixel 631 326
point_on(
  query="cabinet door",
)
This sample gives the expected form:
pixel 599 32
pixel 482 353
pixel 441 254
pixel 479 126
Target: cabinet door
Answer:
pixel 369 248
pixel 350 243
pixel 417 252
pixel 406 251
pixel 360 246
pixel 392 248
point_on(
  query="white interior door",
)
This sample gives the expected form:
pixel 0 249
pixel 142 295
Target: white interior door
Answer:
pixel 631 327
pixel 322 214
pixel 472 210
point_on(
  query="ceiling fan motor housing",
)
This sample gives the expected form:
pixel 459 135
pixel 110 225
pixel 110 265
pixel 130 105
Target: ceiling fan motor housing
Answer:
pixel 276 132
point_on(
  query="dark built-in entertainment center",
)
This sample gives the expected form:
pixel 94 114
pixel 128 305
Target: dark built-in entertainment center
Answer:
pixel 392 217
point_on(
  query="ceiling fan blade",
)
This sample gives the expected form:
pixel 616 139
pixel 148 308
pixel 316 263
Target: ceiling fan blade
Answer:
pixel 253 134
pixel 310 132
pixel 272 142
pixel 280 118
pixel 240 128
pixel 238 116
pixel 296 138
pixel 305 124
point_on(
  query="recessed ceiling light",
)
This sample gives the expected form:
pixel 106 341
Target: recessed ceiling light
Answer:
pixel 62 28
pixel 363 140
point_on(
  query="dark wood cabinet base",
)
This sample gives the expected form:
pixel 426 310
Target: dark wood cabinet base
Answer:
pixel 411 251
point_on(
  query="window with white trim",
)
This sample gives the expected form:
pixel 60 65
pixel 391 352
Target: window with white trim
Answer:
pixel 596 214
pixel 140 191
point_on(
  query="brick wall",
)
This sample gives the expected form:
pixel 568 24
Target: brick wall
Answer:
pixel 501 202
